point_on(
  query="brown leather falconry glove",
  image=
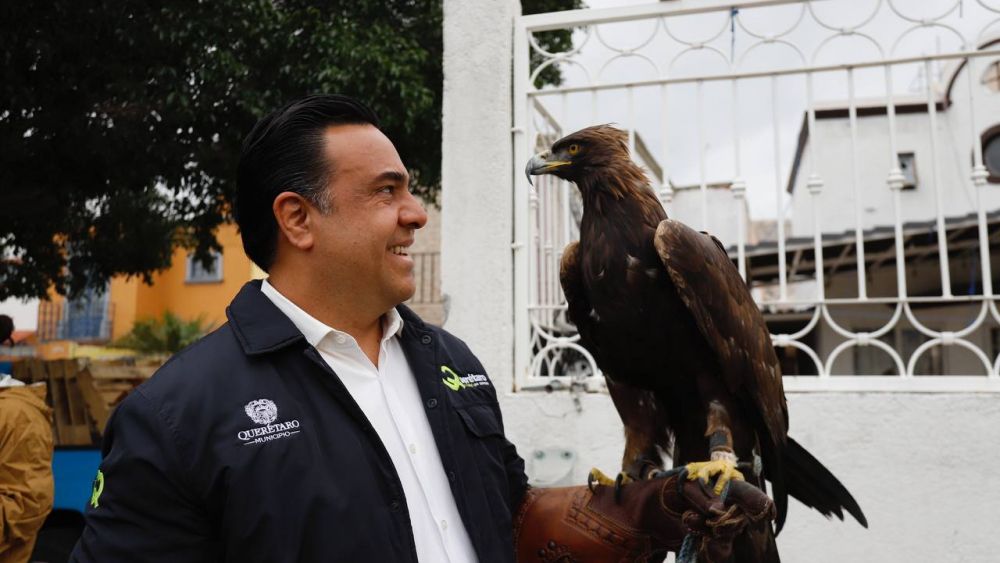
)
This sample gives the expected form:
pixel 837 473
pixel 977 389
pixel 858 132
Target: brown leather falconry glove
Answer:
pixel 650 518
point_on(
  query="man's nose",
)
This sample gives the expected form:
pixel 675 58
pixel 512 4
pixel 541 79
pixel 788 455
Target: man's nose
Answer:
pixel 413 214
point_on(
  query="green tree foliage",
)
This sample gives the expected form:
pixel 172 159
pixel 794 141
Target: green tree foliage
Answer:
pixel 167 335
pixel 121 120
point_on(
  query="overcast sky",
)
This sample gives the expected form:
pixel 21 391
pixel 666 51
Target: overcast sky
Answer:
pixel 756 132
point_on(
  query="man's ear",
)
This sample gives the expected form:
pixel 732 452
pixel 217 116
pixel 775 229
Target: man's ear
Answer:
pixel 292 212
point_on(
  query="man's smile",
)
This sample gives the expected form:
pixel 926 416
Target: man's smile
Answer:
pixel 400 252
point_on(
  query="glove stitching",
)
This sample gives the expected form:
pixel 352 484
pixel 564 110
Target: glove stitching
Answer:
pixel 609 531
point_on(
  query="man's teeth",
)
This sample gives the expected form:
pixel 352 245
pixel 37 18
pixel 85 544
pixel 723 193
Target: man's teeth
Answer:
pixel 401 250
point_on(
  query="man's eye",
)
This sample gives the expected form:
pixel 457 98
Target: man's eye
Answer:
pixel 386 189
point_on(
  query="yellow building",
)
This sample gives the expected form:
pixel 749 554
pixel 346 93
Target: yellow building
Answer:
pixel 185 288
pixel 189 291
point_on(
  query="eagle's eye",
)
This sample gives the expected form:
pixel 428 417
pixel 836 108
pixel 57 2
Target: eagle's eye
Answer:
pixel 573 149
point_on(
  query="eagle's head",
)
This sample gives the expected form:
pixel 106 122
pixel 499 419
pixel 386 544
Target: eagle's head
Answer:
pixel 581 154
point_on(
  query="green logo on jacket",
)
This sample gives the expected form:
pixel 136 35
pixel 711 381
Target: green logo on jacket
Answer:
pixel 98 488
pixel 454 382
pixel 457 382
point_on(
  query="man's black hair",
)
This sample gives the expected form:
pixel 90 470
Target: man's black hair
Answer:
pixel 284 153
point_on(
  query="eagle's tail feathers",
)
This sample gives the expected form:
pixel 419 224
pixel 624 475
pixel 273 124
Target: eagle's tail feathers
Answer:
pixel 812 484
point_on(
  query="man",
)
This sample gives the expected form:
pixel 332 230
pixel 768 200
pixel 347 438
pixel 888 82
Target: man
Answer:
pixel 27 489
pixel 325 421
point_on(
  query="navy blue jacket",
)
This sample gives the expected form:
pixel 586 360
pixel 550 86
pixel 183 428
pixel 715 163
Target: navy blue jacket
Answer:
pixel 247 447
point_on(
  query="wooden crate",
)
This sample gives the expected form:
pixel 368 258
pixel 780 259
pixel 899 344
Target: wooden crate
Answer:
pixel 114 380
pixel 82 394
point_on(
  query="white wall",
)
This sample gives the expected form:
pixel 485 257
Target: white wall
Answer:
pixel 918 464
pixel 953 156
pixel 910 460
pixel 921 465
pixel 832 140
pixel 723 212
pixel 24 313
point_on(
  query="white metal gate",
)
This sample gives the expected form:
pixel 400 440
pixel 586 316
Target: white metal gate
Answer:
pixel 861 264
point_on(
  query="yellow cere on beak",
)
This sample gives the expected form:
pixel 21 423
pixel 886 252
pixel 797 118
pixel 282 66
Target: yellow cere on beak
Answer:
pixel 539 164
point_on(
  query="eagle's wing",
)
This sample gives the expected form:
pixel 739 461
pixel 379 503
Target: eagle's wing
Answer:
pixel 578 306
pixel 725 312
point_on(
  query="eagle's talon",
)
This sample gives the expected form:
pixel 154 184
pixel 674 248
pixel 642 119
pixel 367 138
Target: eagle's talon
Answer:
pixel 618 487
pixel 598 476
pixel 724 469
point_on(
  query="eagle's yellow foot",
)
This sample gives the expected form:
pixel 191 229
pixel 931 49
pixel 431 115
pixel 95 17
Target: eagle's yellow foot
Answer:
pixel 598 476
pixel 724 467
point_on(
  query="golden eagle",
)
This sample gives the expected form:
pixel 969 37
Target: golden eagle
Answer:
pixel 687 356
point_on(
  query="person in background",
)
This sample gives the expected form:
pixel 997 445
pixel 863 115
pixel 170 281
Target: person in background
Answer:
pixel 6 331
pixel 27 489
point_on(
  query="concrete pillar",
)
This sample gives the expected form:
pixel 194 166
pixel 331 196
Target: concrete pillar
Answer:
pixel 476 177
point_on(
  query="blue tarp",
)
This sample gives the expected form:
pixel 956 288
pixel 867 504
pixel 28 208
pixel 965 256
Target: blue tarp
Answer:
pixel 74 470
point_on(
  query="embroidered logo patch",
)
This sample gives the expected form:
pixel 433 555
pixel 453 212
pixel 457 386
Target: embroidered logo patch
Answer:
pixel 95 493
pixel 264 412
pixel 456 382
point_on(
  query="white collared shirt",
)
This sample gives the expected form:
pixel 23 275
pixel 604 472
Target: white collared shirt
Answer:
pixel 389 397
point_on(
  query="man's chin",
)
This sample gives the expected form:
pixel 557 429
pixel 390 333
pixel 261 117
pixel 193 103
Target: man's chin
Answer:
pixel 403 292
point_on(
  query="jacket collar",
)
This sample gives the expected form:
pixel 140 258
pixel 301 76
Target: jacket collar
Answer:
pixel 260 327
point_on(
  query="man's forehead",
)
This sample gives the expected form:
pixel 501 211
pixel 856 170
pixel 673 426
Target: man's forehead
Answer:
pixel 363 149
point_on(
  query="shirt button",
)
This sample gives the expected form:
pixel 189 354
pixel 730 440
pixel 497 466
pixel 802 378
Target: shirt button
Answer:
pixel 340 339
pixel 426 339
pixel 432 403
pixel 444 524
pixel 413 449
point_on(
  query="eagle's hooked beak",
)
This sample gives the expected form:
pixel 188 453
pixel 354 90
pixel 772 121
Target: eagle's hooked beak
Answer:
pixel 541 163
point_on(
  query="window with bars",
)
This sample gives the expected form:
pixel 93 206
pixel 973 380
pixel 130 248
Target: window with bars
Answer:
pixel 908 166
pixel 196 272
pixel 991 155
pixel 991 78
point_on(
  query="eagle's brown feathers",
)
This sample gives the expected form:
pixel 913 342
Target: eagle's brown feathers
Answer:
pixel 674 328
